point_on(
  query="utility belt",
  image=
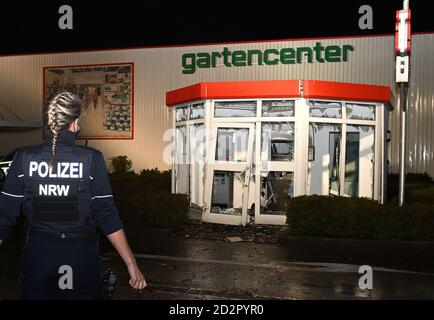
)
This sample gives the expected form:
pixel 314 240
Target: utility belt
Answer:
pixel 65 235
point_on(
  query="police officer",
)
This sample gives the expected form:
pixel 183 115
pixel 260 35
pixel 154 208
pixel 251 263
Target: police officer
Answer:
pixel 64 191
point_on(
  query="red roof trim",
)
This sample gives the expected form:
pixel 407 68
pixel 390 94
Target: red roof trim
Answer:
pixel 186 94
pixel 234 90
pixel 346 91
pixel 279 89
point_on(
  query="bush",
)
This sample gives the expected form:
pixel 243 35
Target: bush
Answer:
pixel 167 210
pixel 162 180
pixel 359 218
pixel 121 165
pixel 154 173
pixel 421 221
pixel 413 181
pixel 145 200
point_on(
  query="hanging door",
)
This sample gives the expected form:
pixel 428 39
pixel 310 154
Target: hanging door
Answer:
pixel 228 173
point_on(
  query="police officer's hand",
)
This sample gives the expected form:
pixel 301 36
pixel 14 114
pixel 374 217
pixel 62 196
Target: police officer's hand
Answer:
pixel 137 280
pixel 119 241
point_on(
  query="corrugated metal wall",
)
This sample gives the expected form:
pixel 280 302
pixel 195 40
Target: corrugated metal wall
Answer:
pixel 158 70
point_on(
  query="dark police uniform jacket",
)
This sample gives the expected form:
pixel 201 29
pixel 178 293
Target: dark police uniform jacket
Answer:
pixel 74 196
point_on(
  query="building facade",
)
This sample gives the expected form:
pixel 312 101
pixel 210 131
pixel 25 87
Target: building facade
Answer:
pixel 125 89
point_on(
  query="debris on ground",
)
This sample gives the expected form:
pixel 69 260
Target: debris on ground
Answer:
pixel 196 229
pixel 234 239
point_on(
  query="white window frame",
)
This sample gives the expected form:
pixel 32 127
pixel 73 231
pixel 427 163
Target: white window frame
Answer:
pixel 299 165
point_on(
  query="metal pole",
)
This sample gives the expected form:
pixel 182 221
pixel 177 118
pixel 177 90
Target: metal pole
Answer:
pixel 402 141
pixel 403 71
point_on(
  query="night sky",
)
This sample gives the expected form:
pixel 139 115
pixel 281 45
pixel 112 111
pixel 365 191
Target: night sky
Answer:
pixel 28 28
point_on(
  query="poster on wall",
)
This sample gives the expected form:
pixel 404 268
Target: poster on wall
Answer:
pixel 106 92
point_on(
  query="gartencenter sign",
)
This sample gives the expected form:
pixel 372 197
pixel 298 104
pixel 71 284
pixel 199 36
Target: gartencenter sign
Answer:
pixel 242 58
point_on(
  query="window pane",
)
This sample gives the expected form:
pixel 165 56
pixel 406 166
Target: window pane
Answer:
pixel 181 114
pixel 197 149
pixel 352 164
pixel 235 109
pixel 277 141
pixel 276 188
pixel 232 144
pixel 182 165
pixel 181 145
pixel 278 108
pixel 335 154
pixel 325 109
pixel 197 111
pixel 359 161
pixel 360 111
pixel 324 153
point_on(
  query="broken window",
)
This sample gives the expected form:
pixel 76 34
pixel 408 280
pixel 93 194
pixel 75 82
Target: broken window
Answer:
pixel 276 188
pixel 232 109
pixel 277 141
pixel 325 109
pixel 227 193
pixel 197 111
pixel 181 114
pixel 278 108
pixel 232 144
pixel 360 111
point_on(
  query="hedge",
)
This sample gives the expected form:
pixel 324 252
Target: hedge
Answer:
pixel 145 200
pixel 359 218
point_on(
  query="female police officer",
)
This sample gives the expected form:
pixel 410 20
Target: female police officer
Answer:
pixel 64 191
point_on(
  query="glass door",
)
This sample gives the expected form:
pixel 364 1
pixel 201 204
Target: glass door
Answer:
pixel 228 174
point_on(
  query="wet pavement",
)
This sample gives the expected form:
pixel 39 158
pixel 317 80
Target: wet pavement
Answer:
pixel 204 269
pixel 184 265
